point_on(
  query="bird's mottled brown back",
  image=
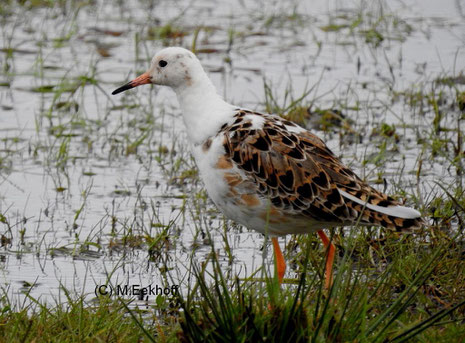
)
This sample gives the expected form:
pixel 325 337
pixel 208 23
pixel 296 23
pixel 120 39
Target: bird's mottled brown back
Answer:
pixel 301 176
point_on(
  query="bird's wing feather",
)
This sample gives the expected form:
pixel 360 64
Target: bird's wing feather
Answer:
pixel 299 174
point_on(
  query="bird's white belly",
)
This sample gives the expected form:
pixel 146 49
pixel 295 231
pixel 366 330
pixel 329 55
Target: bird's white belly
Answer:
pixel 225 185
pixel 237 197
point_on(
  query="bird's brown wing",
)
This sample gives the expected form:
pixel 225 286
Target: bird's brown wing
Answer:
pixel 300 175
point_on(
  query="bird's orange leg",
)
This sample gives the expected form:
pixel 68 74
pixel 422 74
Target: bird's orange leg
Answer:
pixel 280 263
pixel 330 259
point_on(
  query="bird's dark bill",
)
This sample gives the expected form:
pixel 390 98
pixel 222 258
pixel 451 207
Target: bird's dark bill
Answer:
pixel 138 81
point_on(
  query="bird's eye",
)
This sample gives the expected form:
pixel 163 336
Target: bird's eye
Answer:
pixel 162 63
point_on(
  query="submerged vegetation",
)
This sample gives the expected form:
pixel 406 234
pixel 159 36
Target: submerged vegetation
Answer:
pixel 97 191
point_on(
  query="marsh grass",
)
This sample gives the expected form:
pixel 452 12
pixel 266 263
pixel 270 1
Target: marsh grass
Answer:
pixel 74 320
pixel 382 291
pixel 366 303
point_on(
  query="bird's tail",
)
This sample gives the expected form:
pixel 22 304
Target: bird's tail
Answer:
pixel 388 213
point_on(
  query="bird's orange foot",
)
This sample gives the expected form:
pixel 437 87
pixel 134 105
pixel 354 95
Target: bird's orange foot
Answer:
pixel 330 259
pixel 280 263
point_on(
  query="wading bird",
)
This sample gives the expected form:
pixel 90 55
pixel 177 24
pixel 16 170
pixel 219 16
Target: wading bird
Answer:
pixel 265 172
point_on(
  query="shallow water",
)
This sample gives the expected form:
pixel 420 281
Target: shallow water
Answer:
pixel 79 194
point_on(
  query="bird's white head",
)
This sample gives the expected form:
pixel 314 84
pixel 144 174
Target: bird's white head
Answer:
pixel 175 67
pixel 180 69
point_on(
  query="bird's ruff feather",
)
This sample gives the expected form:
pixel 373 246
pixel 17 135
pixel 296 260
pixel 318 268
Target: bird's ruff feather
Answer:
pixel 302 178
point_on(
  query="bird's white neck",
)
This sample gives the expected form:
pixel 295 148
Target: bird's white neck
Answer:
pixel 204 111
